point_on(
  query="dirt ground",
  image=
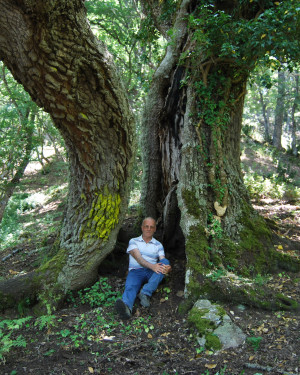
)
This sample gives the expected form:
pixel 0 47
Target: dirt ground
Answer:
pixel 158 340
pixel 82 339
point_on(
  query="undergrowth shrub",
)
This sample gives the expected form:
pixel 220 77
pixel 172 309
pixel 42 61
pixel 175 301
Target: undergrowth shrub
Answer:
pixel 100 294
pixel 270 187
pixel 9 227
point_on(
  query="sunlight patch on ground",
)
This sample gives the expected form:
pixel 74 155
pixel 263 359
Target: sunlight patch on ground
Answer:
pixel 36 199
pixel 35 166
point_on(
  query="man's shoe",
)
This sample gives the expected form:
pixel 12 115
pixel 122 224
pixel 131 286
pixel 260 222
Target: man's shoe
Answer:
pixel 144 299
pixel 122 309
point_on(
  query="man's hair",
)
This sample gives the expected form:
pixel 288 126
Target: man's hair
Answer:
pixel 149 218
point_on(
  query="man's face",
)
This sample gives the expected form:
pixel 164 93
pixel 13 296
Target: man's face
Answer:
pixel 148 228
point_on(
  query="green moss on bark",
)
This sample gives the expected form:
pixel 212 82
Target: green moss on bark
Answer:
pixel 197 250
pixel 253 254
pixel 185 306
pixel 54 265
pixel 191 203
pixel 286 262
pixel 50 292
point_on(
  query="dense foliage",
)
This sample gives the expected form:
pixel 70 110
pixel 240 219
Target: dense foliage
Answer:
pixel 133 41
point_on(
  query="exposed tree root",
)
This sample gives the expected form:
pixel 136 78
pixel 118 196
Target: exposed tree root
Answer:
pixel 231 288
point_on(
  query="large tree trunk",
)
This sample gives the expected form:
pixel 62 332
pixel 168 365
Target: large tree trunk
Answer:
pixel 50 49
pixel 192 166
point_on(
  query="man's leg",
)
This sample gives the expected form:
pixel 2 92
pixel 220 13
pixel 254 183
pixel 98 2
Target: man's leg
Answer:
pixel 150 287
pixel 133 284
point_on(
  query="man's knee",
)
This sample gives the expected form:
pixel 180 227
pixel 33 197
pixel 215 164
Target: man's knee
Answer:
pixel 164 261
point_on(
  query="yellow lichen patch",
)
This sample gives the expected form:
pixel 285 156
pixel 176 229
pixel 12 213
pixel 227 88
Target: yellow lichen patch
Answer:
pixel 83 116
pixel 103 216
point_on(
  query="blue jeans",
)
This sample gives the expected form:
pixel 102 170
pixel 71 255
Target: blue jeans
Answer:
pixel 136 278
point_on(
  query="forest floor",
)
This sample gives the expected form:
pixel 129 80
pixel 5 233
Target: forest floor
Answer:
pixel 88 338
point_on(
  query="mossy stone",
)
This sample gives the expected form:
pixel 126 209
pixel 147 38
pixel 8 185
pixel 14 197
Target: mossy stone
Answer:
pixel 212 342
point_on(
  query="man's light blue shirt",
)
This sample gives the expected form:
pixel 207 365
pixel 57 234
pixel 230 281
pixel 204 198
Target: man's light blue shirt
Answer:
pixel 150 251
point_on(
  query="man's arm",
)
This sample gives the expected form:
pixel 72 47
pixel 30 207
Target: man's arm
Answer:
pixel 157 267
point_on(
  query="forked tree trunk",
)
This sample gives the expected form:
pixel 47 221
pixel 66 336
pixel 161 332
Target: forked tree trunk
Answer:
pixel 194 119
pixel 50 49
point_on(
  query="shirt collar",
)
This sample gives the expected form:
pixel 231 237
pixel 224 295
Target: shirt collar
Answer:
pixel 142 240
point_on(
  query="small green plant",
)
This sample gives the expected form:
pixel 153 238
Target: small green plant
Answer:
pixel 200 350
pixel 254 342
pixel 142 325
pixel 217 274
pixel 214 227
pixel 23 306
pixel 77 340
pixel 100 294
pixel 167 291
pixel 7 341
pixel 260 279
pixel 45 321
pixel 283 274
pixel 65 332
pixel 49 353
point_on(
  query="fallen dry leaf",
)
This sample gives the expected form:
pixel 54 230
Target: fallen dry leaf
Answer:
pixel 91 370
pixel 12 272
pixel 211 365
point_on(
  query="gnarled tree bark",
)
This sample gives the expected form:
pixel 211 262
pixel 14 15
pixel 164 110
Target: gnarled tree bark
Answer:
pixel 192 126
pixel 50 49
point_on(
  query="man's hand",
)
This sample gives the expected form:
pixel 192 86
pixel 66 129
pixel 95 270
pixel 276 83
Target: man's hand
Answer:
pixel 157 268
pixel 161 268
pixel 167 268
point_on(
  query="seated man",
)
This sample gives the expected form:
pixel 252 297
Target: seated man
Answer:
pixel 144 253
